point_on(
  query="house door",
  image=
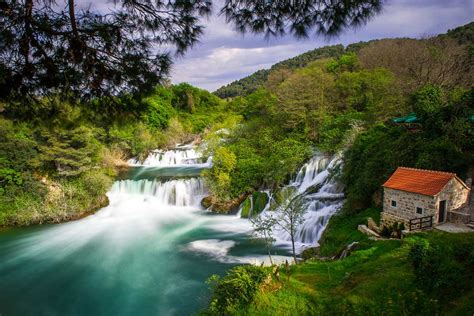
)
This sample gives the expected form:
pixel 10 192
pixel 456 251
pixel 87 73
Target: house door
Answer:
pixel 442 211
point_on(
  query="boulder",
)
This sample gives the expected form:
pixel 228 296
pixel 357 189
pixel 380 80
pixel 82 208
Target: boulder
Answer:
pixel 221 207
pixel 365 230
pixel 310 253
pixel 372 225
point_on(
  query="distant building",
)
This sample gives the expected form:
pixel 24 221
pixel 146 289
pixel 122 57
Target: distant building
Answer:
pixel 424 197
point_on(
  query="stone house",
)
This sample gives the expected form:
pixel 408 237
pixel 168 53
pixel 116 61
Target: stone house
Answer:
pixel 432 197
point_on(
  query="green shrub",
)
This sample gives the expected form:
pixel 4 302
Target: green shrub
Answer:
pixel 236 290
pixel 443 270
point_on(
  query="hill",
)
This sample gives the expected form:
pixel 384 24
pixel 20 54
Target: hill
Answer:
pixel 242 87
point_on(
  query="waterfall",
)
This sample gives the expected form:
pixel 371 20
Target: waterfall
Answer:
pixel 323 195
pixel 180 156
pixel 180 192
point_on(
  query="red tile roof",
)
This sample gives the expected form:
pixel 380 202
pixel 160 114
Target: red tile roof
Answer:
pixel 426 182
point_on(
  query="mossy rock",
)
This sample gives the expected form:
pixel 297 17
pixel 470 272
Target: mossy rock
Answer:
pixel 310 253
pixel 221 207
pixel 260 200
pixel 246 207
pixel 206 202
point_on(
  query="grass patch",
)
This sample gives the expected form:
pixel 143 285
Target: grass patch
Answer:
pixel 342 230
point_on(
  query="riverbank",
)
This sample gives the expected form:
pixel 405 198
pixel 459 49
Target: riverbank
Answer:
pixel 57 201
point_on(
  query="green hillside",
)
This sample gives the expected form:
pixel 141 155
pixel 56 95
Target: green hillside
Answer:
pixel 242 87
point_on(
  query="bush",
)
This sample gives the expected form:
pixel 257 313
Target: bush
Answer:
pixel 443 270
pixel 236 290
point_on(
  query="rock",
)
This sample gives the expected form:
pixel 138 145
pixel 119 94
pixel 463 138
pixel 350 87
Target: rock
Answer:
pixel 206 202
pixel 372 225
pixel 347 250
pixel 222 207
pixel 254 204
pixel 260 200
pixel 313 189
pixel 310 253
pixel 365 230
pixel 246 207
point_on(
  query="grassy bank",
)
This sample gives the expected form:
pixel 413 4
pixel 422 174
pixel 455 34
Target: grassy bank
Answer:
pixel 55 201
pixel 379 278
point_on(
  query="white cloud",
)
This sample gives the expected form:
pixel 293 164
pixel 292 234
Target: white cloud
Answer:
pixel 231 63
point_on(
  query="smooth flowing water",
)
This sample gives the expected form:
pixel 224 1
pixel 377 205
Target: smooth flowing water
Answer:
pixel 148 253
pixel 323 195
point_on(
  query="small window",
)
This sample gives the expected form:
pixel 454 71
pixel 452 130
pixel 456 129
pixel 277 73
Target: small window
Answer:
pixel 419 210
pixel 394 203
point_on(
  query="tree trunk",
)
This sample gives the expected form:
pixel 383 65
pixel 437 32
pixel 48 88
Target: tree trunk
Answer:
pixel 269 252
pixel 293 245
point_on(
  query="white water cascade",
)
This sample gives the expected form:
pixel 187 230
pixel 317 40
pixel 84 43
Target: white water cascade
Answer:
pixel 180 156
pixel 323 195
pixel 180 192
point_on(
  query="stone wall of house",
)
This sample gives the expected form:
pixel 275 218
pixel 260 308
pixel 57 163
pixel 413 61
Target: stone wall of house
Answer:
pixel 407 203
pixel 388 219
pixel 455 194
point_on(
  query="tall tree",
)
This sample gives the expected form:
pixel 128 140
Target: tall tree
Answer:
pixel 126 46
pixel 291 208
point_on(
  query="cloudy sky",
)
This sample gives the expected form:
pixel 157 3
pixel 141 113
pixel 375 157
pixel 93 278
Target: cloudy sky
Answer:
pixel 224 55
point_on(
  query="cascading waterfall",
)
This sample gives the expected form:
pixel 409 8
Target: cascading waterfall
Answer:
pixel 323 195
pixel 180 192
pixel 180 156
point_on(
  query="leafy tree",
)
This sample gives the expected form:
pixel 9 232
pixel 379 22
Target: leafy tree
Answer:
pixel 291 208
pixel 427 100
pixel 372 92
pixel 219 177
pixel 347 62
pixel 415 63
pixel 69 153
pixel 260 103
pixel 159 109
pixel 304 98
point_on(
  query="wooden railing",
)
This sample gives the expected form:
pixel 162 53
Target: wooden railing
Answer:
pixel 421 223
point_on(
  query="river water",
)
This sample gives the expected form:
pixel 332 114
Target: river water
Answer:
pixel 150 251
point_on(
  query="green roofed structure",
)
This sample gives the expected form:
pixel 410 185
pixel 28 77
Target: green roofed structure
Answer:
pixel 410 118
